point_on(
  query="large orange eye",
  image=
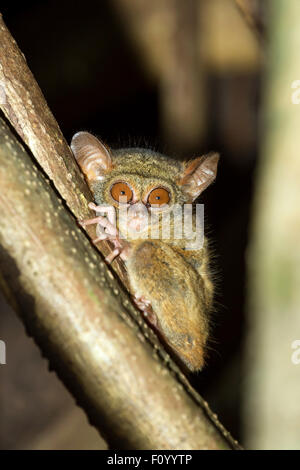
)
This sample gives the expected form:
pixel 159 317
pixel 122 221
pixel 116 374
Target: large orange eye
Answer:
pixel 121 190
pixel 159 196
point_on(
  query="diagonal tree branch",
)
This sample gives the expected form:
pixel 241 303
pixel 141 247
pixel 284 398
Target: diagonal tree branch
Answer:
pixel 25 107
pixel 251 11
pixel 69 300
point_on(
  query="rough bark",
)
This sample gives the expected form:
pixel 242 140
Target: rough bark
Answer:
pixel 25 107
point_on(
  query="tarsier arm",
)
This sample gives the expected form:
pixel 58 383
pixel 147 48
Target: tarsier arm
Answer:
pixel 171 285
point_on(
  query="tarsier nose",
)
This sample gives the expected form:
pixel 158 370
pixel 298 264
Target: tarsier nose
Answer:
pixel 138 209
pixel 137 217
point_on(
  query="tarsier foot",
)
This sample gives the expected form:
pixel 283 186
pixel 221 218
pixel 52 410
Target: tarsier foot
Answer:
pixel 145 306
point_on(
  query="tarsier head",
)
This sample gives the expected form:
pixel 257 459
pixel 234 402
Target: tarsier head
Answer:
pixel 141 180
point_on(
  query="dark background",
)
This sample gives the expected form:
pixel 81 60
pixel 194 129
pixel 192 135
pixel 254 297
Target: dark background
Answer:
pixel 94 77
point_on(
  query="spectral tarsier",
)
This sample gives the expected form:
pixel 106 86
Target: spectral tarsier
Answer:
pixel 135 189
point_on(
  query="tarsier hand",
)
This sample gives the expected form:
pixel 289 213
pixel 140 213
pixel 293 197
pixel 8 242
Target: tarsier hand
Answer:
pixel 107 230
pixel 136 191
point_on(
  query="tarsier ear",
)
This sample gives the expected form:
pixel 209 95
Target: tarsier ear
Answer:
pixel 199 174
pixel 92 155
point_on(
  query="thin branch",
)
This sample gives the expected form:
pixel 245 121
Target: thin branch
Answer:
pixel 250 10
pixel 25 107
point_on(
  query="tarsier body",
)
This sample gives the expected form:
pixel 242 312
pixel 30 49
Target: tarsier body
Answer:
pixel 142 194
